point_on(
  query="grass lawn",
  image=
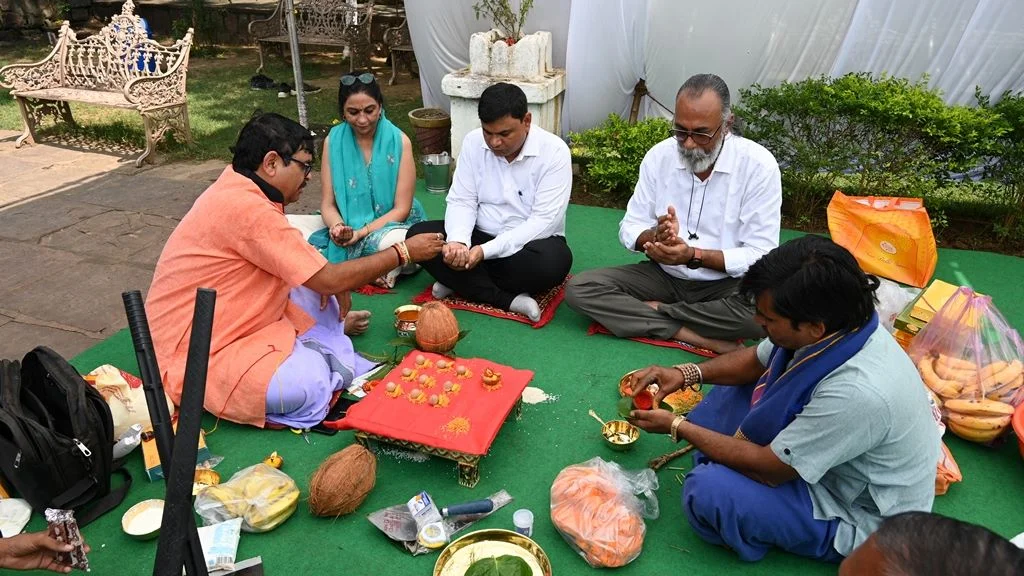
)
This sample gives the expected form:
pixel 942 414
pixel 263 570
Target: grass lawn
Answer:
pixel 220 100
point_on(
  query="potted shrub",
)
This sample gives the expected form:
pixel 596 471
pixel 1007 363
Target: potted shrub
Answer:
pixel 508 22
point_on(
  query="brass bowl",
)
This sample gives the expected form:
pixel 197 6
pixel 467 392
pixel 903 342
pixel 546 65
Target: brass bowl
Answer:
pixel 461 553
pixel 620 435
pixel 405 320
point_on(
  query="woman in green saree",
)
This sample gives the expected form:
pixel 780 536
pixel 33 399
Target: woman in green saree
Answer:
pixel 368 177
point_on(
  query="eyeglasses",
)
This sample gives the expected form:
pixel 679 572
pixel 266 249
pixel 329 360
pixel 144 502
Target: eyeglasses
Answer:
pixel 306 167
pixel 699 138
pixel 365 78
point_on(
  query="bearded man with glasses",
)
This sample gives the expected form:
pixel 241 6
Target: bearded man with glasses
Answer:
pixel 706 206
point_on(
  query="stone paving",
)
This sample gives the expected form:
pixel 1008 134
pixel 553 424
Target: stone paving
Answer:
pixel 78 226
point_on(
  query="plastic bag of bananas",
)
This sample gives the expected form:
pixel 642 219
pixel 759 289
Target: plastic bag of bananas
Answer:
pixel 262 496
pixel 970 358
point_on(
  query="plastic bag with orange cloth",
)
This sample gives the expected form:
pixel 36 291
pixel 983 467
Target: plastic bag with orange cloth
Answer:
pixel 890 237
pixel 947 472
pixel 599 509
pixel 972 360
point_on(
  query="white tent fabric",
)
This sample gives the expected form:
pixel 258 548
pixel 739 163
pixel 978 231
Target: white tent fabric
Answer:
pixel 606 46
pixel 959 43
pixel 604 59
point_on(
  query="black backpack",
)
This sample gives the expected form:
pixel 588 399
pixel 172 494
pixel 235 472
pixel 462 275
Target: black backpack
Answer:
pixel 57 437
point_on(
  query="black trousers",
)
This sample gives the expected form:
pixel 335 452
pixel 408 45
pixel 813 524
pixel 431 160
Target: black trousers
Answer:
pixel 541 265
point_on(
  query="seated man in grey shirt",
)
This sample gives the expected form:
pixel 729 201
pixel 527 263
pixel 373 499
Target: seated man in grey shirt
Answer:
pixel 813 437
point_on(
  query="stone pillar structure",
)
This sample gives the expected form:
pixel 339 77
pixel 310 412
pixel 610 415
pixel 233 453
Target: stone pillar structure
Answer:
pixel 527 64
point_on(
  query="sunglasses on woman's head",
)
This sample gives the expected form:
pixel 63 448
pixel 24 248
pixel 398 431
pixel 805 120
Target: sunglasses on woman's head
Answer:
pixel 365 78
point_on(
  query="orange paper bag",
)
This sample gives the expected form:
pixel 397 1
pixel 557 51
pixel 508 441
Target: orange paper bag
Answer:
pixel 889 237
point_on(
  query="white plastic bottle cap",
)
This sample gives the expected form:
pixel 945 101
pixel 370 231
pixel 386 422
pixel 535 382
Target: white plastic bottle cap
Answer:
pixel 523 520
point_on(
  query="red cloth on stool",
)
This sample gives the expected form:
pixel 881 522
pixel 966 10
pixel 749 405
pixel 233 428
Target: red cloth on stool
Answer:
pixel 400 419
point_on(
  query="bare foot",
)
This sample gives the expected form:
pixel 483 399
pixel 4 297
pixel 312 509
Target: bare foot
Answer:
pixel 716 346
pixel 724 346
pixel 357 322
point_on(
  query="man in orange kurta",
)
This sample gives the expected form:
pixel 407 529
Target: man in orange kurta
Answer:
pixel 237 241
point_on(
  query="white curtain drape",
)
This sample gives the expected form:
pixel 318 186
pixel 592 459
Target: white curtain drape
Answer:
pixel 606 46
pixel 960 44
pixel 604 60
pixel 746 42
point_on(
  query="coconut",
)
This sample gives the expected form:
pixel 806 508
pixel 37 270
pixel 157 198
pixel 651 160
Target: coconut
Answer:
pixel 437 329
pixel 342 482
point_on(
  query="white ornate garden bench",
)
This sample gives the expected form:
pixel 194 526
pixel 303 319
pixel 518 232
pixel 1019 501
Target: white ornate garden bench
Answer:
pixel 118 67
pixel 337 23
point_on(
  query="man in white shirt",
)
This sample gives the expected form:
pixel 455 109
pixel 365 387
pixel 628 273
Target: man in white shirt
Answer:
pixel 505 221
pixel 706 206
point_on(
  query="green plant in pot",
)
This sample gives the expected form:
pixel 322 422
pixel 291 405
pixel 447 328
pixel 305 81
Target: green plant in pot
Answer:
pixel 508 21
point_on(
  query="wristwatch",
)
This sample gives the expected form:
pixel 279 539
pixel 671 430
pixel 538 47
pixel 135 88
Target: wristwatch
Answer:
pixel 697 261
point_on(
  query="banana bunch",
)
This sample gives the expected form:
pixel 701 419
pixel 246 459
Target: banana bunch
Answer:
pixel 978 401
pixel 262 496
pixel 1001 380
pixel 980 420
pixel 949 377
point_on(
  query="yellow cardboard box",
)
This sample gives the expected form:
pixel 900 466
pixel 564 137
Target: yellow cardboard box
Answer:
pixel 932 300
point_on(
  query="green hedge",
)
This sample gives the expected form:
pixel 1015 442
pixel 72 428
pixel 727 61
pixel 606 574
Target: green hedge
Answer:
pixel 876 136
pixel 866 135
pixel 1008 165
pixel 611 153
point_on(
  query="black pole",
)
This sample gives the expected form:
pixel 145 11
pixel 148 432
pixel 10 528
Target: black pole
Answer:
pixel 171 549
pixel 153 387
pixel 152 383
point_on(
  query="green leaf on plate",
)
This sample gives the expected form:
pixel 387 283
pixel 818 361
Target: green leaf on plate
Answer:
pixel 625 406
pixel 500 566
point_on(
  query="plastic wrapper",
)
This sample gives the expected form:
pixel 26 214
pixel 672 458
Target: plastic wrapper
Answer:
pixel 262 496
pixel 892 299
pixel 128 441
pixel 398 524
pixel 63 527
pixel 970 358
pixel 220 544
pixel 599 509
pixel 947 472
pixel 126 397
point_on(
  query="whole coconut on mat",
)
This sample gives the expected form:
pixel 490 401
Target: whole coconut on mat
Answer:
pixel 342 482
pixel 437 330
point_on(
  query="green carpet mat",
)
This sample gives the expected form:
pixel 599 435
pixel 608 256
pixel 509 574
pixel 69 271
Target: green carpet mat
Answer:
pixel 583 372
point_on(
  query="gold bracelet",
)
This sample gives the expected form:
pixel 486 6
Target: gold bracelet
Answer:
pixel 675 427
